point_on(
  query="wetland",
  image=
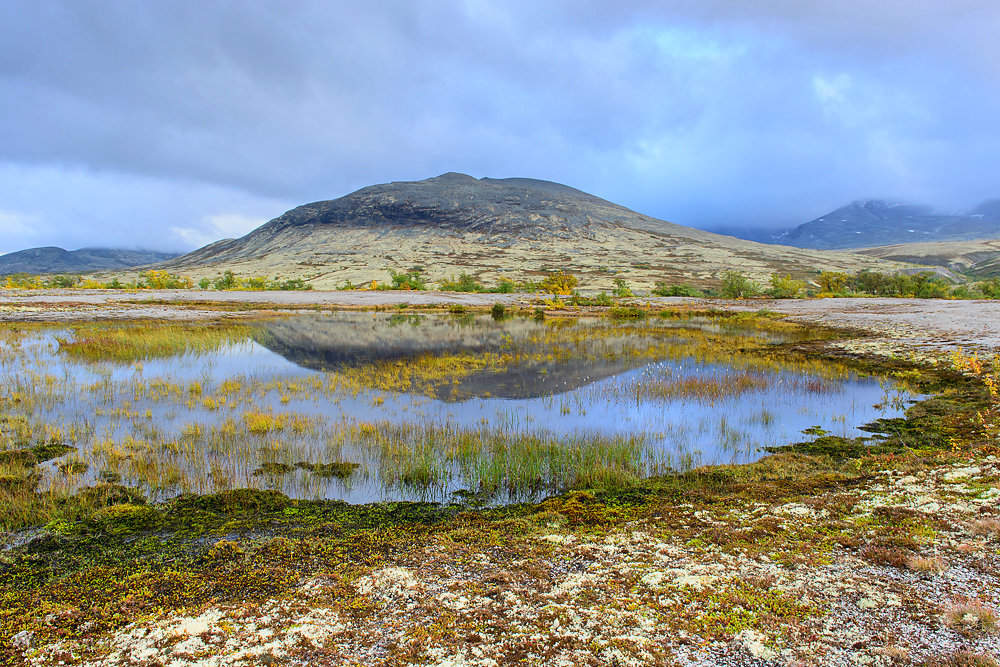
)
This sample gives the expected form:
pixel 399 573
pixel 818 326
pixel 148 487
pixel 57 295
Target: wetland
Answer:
pixel 406 405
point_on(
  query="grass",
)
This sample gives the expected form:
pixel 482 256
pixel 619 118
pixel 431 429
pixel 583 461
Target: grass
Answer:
pixel 131 343
pixel 240 434
pixel 970 616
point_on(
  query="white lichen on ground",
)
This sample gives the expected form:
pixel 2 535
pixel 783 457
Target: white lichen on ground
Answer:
pixel 642 594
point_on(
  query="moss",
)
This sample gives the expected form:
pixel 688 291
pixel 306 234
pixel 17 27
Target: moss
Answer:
pixel 73 467
pixel 236 500
pixel 46 451
pixel 106 495
pixel 837 447
pixel 341 469
pixel 273 468
pixel 126 518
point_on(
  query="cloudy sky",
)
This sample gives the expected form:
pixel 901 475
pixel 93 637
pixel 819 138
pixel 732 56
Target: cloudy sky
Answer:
pixel 167 124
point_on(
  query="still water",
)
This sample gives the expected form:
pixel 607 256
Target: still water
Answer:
pixel 363 406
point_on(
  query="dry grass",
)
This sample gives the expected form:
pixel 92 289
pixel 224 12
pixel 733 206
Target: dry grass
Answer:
pixel 963 659
pixel 931 565
pixel 971 616
pixel 987 527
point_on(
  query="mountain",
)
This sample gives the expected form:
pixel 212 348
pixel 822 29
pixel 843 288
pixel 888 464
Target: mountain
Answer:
pixel 878 223
pixel 57 260
pixel 354 339
pixel 515 227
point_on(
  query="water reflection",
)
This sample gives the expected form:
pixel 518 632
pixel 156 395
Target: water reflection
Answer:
pixel 424 405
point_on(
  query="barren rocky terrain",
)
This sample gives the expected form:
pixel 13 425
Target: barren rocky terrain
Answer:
pixel 494 228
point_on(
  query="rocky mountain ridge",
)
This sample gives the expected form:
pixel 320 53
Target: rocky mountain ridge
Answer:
pixel 52 259
pixel 869 223
pixel 493 228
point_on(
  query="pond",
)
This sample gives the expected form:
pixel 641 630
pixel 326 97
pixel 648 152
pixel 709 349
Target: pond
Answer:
pixel 365 406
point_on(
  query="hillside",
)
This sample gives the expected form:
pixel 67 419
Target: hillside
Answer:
pixel 978 259
pixel 879 223
pixel 513 227
pixel 57 260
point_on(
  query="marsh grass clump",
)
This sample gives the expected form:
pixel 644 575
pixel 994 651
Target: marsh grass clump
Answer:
pixel 273 468
pixel 627 312
pixel 338 469
pixel 699 387
pixel 132 343
pixel 18 458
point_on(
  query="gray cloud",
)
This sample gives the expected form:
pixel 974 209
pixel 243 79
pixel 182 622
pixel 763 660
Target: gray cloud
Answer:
pixel 158 117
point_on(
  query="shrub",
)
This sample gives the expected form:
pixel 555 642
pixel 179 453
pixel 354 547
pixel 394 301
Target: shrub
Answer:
pixel 505 286
pixel 966 292
pixel 735 285
pixel 833 282
pixel 785 287
pixel 163 280
pixel 627 313
pixel 622 289
pixel 292 284
pixel 411 280
pixel 683 289
pixel 64 281
pixel 990 288
pixel 559 283
pixel 226 282
pixel 498 311
pixel 464 283
pixel 927 285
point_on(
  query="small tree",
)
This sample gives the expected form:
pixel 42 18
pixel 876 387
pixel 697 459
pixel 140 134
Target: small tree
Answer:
pixel 735 285
pixel 622 288
pixel 833 282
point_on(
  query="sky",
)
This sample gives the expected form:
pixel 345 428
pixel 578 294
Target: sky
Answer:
pixel 168 124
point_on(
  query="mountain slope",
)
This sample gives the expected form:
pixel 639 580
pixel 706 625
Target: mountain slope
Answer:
pixel 57 260
pixel 492 227
pixel 978 259
pixel 878 223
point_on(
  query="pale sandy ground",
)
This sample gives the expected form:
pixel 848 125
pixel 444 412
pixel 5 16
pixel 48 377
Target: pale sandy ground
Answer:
pixel 900 323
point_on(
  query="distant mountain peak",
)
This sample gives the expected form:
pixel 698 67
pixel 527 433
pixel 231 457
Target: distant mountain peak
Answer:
pixel 53 259
pixel 876 222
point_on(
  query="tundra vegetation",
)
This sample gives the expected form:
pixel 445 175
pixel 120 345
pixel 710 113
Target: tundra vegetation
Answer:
pixel 184 488
pixel 728 284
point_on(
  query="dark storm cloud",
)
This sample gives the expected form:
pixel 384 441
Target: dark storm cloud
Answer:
pixel 167 123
